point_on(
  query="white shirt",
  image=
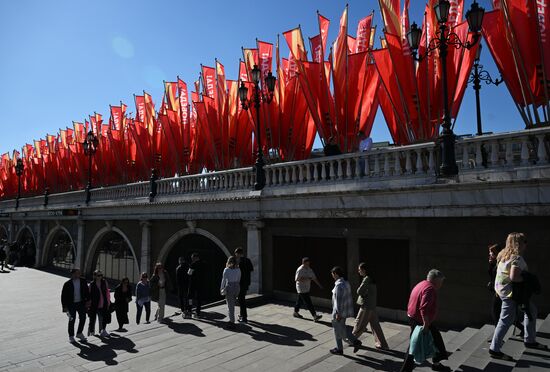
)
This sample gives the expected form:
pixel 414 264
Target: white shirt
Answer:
pixel 230 276
pixel 76 286
pixel 307 275
pixel 365 145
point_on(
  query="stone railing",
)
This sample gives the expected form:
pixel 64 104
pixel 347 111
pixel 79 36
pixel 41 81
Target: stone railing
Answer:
pixel 527 148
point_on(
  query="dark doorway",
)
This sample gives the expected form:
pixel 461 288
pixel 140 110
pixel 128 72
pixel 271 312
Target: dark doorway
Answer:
pixel 61 252
pixel 115 259
pixel 213 257
pixel 26 249
pixel 324 253
pixel 388 262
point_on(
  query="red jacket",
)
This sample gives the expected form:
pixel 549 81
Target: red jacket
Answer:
pixel 423 302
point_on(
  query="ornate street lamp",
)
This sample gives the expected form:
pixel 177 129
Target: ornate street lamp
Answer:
pixel 91 144
pixel 441 42
pixel 259 97
pixel 477 76
pixel 19 168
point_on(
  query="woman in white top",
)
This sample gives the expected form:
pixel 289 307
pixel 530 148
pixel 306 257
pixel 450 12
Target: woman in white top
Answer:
pixel 230 287
pixel 510 267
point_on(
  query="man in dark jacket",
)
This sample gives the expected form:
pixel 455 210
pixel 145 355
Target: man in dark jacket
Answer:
pixel 196 274
pixel 246 268
pixel 74 299
pixel 183 287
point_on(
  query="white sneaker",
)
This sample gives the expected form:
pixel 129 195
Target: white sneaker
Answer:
pixel 81 337
pixel 104 333
pixel 71 339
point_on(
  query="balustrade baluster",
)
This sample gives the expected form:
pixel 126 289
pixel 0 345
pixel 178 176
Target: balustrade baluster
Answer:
pixel 315 172
pixel 397 163
pixel 431 161
pixel 323 171
pixel 419 164
pixel 509 154
pixel 332 172
pixel 293 177
pixel 465 156
pixel 494 153
pixel 340 169
pixel 300 173
pixel 377 165
pixel 367 165
pixel 348 168
pixel 524 151
pixel 386 164
pixel 408 162
pixel 358 167
pixel 542 156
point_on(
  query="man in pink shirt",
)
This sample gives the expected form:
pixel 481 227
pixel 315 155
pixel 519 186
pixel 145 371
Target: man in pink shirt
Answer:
pixel 422 311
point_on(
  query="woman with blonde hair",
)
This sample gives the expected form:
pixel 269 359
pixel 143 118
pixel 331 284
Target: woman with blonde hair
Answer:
pixel 510 268
pixel 230 287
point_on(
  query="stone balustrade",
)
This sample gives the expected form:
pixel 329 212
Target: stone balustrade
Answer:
pixel 526 148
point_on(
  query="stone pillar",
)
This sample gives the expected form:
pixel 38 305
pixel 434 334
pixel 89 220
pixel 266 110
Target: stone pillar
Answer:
pixel 11 232
pixel 352 260
pixel 38 244
pixel 254 253
pixel 78 262
pixel 145 263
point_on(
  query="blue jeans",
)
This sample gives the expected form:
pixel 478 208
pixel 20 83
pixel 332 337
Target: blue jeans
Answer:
pixel 507 317
pixel 341 332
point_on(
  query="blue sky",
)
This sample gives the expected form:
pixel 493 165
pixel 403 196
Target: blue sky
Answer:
pixel 62 60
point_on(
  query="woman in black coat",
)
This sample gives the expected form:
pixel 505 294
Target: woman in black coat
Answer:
pixel 123 296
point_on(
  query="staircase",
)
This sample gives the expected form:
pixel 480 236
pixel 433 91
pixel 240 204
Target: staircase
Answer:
pixel 470 351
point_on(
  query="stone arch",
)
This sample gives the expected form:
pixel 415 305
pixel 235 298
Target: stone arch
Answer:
pixel 187 231
pixel 48 242
pixel 88 265
pixel 20 232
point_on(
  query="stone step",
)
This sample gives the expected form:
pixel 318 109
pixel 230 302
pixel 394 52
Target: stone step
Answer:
pixel 481 360
pixel 534 360
pixel 456 342
pixel 469 346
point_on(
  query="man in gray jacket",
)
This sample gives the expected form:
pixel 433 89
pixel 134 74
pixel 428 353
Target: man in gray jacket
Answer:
pixel 342 308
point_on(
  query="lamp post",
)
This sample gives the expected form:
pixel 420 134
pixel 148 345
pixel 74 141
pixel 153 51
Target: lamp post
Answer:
pixel 91 144
pixel 259 97
pixel 442 40
pixel 477 76
pixel 19 168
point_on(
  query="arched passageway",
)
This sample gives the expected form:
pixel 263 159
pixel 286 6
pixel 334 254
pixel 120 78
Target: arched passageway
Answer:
pixel 61 252
pixel 115 258
pixel 211 254
pixel 24 248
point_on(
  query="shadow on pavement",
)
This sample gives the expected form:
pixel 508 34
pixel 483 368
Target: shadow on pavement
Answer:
pixel 184 328
pixel 105 352
pixel 376 363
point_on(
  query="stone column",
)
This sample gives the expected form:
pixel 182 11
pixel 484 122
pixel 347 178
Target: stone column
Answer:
pixel 145 263
pixel 78 262
pixel 254 253
pixel 38 244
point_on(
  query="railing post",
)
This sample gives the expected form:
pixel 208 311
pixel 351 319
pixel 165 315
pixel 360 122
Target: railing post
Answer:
pixel 386 164
pixel 494 153
pixel 408 162
pixel 377 165
pixel 431 161
pixel 397 163
pixel 348 168
pixel 323 171
pixel 358 169
pixel 419 165
pixel 465 156
pixel 509 154
pixel 479 154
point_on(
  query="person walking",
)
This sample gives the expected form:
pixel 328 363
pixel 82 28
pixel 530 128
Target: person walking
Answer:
pixel 367 309
pixel 123 296
pixel 230 287
pixel 74 299
pixel 143 298
pixel 100 297
pixel 304 276
pixel 182 281
pixel 196 274
pixel 422 311
pixel 160 286
pixel 342 308
pixel 512 268
pixel 246 267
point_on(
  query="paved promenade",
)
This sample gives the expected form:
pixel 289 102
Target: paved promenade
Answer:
pixel 33 337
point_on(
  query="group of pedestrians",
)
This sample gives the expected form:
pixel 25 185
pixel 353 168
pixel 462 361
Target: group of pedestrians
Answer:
pixel 511 283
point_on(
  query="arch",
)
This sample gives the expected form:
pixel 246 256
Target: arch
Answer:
pixel 187 231
pixel 95 243
pixel 48 242
pixel 25 227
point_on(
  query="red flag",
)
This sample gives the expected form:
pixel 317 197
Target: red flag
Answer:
pixel 363 34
